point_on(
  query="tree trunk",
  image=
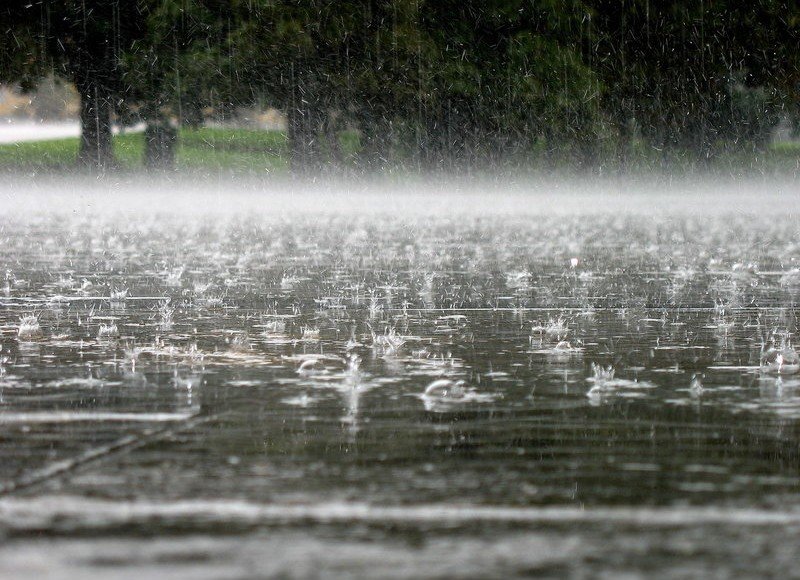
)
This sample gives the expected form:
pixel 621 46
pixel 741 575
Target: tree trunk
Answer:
pixel 375 141
pixel 160 139
pixel 330 129
pixel 96 150
pixel 433 143
pixel 302 133
pixel 625 141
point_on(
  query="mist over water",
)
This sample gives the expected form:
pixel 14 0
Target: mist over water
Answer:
pixel 407 377
pixel 437 194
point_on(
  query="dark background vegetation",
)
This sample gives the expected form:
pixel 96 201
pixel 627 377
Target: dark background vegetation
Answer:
pixel 425 84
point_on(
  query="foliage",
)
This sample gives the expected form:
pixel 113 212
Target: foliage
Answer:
pixel 433 83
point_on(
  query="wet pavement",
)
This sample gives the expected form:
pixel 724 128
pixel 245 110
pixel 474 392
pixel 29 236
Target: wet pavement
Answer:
pixel 341 391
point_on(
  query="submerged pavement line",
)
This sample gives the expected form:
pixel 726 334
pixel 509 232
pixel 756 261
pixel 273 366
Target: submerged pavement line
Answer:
pixel 124 444
pixel 76 417
pixel 21 514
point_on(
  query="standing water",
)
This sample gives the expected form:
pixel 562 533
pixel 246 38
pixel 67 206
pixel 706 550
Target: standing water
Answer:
pixel 351 384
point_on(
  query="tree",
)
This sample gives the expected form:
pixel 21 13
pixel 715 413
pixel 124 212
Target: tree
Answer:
pixel 82 40
pixel 434 83
pixel 174 70
pixel 696 77
pixel 507 77
pixel 438 84
pixel 282 48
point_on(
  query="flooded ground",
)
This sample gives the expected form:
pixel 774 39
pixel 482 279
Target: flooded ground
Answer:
pixel 359 385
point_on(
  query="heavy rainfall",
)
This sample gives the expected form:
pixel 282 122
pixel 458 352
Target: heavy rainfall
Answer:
pixel 399 289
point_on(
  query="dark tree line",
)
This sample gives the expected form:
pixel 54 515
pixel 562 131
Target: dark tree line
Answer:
pixel 423 83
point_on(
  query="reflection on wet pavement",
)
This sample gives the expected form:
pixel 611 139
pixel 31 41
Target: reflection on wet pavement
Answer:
pixel 421 363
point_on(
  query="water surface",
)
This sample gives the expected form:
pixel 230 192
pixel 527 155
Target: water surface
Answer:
pixel 251 388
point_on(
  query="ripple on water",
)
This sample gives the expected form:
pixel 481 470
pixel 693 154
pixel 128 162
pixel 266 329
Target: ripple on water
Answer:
pixel 255 323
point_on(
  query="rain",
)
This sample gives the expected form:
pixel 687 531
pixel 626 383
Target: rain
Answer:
pixel 399 288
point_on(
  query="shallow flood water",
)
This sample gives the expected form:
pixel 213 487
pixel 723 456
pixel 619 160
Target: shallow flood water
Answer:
pixel 355 393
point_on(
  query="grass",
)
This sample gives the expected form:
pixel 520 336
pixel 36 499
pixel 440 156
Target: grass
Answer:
pixel 250 151
pixel 56 153
pixel 237 150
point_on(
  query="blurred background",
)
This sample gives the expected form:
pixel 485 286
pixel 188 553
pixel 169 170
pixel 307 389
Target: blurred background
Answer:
pixel 410 85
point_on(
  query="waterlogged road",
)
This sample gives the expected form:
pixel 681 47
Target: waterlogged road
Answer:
pixel 248 393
